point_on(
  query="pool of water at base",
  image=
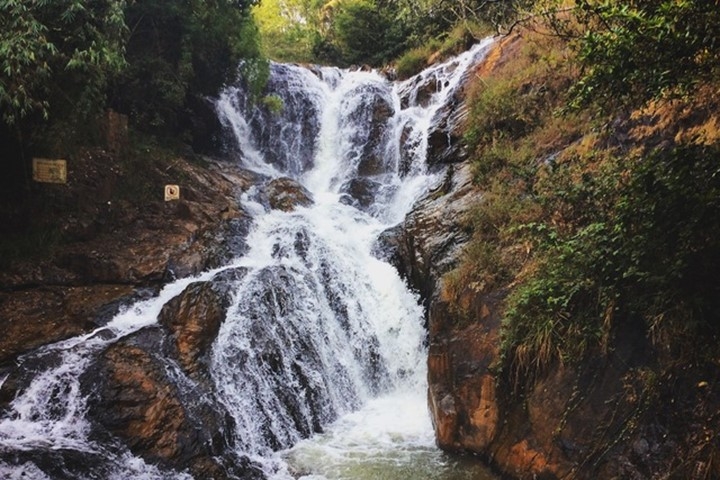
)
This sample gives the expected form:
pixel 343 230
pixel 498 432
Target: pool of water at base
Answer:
pixel 391 438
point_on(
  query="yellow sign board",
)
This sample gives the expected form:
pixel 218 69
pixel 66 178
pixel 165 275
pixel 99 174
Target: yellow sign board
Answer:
pixel 49 171
pixel 172 192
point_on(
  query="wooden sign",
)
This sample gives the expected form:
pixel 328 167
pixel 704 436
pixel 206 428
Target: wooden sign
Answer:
pixel 172 192
pixel 49 171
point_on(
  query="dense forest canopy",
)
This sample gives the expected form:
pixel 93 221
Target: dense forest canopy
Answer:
pixel 62 62
pixel 371 32
pixel 67 59
pixel 61 56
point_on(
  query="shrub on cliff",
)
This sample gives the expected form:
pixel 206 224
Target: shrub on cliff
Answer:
pixel 593 228
pixel 633 51
pixel 642 245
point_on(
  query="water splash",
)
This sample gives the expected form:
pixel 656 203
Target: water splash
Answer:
pixel 320 360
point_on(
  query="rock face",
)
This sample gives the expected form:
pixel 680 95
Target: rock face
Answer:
pixel 286 194
pixel 574 422
pixel 376 110
pixel 167 416
pixel 462 392
pixel 430 240
pixel 149 392
pixel 578 421
pixel 609 415
pixel 76 310
pixel 194 318
pixel 113 248
pixel 445 137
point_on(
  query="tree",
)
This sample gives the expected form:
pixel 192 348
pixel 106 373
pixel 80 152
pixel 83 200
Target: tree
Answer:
pixel 57 55
pixel 633 51
pixel 366 32
pixel 178 52
pixel 290 28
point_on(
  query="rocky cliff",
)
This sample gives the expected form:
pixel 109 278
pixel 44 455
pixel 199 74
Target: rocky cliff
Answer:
pixel 625 411
pixel 115 242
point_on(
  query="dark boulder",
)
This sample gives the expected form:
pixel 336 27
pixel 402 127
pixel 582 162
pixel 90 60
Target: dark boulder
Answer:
pixel 193 319
pixel 134 395
pixel 286 194
pixel 430 241
pixel 360 192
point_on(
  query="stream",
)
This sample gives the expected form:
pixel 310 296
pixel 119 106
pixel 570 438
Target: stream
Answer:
pixel 320 361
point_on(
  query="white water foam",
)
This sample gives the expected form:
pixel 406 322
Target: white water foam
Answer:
pixel 322 336
pixel 376 434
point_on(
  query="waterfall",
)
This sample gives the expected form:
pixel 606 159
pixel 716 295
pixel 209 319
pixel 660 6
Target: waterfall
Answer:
pixel 320 358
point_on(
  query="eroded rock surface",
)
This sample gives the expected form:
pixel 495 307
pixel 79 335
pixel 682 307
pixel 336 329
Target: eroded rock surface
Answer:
pixel 170 416
pixel 287 194
pixel 135 395
pixel 628 411
pixel 114 247
pixel 193 319
pixel 430 240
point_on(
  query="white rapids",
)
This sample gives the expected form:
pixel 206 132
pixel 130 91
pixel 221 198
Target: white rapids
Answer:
pixel 320 360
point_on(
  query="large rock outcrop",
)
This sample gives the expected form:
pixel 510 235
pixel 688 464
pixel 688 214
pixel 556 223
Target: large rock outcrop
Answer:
pixel 429 242
pixel 113 247
pixel 629 411
pixel 119 242
pixel 287 194
pixel 168 416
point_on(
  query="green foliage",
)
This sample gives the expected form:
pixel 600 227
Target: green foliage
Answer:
pixel 56 57
pixel 273 103
pixel 433 18
pixel 178 51
pixel 596 235
pixel 413 61
pixel 366 32
pixel 459 39
pixel 512 116
pixel 633 51
pixel 373 32
pixel 290 28
pixel 646 247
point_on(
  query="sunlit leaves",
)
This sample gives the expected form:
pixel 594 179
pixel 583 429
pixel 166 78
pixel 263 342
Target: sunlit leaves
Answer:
pixel 635 50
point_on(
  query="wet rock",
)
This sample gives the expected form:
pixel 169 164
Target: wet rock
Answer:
pixel 135 395
pixel 61 464
pixel 286 194
pixel 429 242
pixel 43 315
pixel 204 126
pixel 640 447
pixel 445 138
pixel 375 109
pixel 297 125
pixel 194 318
pixel 361 192
pixel 421 92
pixel 463 397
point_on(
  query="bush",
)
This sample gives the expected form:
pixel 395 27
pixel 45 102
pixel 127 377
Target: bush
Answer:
pixel 646 249
pixel 367 33
pixel 56 57
pixel 633 51
pixel 413 61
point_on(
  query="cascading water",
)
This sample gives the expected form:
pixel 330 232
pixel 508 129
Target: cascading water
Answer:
pixel 320 360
